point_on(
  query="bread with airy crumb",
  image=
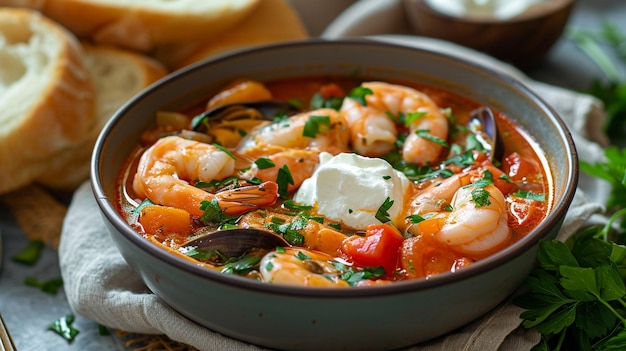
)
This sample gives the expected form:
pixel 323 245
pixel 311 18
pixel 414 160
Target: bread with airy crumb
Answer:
pixel 271 22
pixel 143 25
pixel 117 75
pixel 46 95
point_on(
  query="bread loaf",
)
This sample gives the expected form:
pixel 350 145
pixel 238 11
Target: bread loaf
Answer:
pixel 143 24
pixel 117 75
pixel 46 96
pixel 272 21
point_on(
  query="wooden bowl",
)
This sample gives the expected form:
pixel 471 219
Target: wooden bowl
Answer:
pixel 523 40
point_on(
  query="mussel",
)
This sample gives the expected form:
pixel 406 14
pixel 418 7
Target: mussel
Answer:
pixel 259 109
pixel 236 242
pixel 483 124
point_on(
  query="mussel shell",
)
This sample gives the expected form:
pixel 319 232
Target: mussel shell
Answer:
pixel 237 242
pixel 260 109
pixel 489 129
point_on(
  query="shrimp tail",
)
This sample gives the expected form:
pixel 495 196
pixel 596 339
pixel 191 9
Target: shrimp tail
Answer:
pixel 248 198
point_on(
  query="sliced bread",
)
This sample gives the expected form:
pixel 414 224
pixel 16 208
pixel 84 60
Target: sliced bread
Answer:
pixel 46 95
pixel 117 75
pixel 142 24
pixel 272 21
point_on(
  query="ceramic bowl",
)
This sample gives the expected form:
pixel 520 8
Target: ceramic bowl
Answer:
pixel 368 318
pixel 523 39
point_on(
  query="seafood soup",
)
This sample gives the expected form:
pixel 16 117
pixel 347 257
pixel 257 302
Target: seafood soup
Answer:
pixel 367 182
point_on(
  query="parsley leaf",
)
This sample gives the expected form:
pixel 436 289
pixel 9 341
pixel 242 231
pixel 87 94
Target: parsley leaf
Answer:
pixel 381 214
pixel 316 125
pixel 30 254
pixel 359 94
pixel 214 214
pixel 63 327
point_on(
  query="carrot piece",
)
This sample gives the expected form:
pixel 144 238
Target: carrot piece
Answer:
pixel 329 240
pixel 430 225
pixel 164 220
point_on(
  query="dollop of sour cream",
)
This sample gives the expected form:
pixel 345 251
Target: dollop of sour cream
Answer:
pixel 351 189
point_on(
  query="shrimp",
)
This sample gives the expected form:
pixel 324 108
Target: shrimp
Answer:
pixel 438 194
pixel 372 132
pixel 318 130
pixel 396 99
pixel 240 91
pixel 165 169
pixel 476 228
pixel 300 267
pixel 301 165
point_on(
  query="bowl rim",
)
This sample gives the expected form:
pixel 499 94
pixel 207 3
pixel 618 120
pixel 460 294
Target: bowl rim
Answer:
pixel 550 10
pixel 558 212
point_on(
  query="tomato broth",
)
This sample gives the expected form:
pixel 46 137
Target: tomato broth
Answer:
pixel 369 182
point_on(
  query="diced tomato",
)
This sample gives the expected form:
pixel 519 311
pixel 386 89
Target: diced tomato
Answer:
pixel 525 213
pixel 379 247
pixel 519 168
pixel 505 186
pixel 331 90
pixel 423 255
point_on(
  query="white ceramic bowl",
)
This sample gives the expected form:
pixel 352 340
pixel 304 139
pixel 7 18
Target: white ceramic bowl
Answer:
pixel 368 318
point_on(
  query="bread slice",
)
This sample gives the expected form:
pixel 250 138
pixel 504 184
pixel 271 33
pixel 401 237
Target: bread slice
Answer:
pixel 142 24
pixel 117 74
pixel 46 95
pixel 272 21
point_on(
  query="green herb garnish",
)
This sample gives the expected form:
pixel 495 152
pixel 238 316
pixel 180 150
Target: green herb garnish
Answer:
pixel 264 163
pixel 381 214
pixel 63 326
pixel 359 93
pixel 316 125
pixel 284 179
pixel 50 286
pixel 30 254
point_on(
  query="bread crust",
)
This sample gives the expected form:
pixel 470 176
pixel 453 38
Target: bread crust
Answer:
pixel 49 106
pixel 272 21
pixel 144 25
pixel 117 75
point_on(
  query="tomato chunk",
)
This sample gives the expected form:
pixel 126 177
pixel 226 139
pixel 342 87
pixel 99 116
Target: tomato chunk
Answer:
pixel 379 247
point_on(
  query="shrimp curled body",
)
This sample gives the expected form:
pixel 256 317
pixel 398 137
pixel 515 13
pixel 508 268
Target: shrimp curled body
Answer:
pixel 476 230
pixel 166 168
pixel 301 268
pixel 373 134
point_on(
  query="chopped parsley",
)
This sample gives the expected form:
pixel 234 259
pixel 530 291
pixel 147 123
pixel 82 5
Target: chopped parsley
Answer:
pixel 284 179
pixel 412 117
pixel 415 218
pixel 30 254
pixel 382 215
pixel 289 231
pixel 425 133
pixel 214 214
pixel 359 93
pixel 316 125
pixel 241 265
pixel 294 206
pixel 318 101
pixel 50 286
pixel 530 195
pixel 353 276
pixel 264 163
pixel 230 154
pixel 63 327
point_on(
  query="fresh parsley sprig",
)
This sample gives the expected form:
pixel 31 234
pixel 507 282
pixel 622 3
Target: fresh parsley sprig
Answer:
pixel 577 295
